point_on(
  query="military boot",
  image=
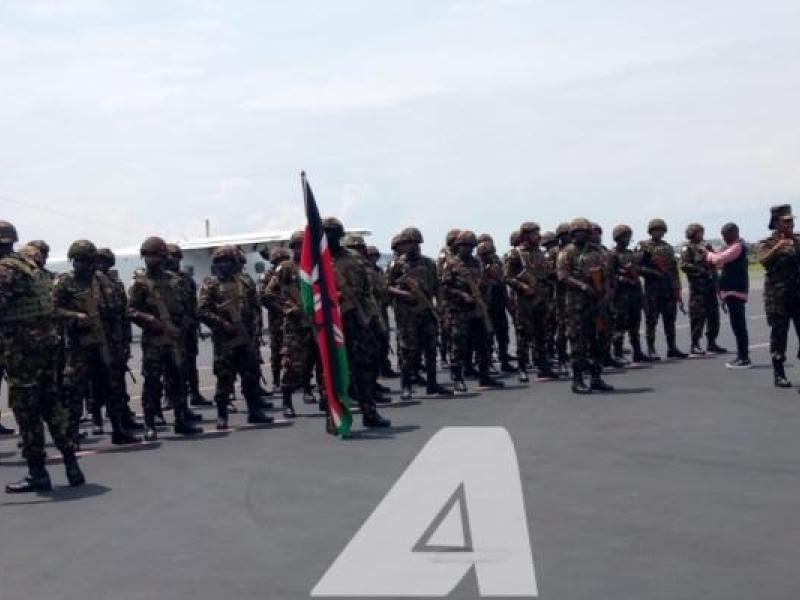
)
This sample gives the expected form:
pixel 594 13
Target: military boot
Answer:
pixel 97 419
pixel 308 394
pixel 673 351
pixel 715 348
pixel 432 387
pixel 780 374
pixel 183 426
pixel 255 415
pixel 191 416
pixel 406 389
pixel 222 414
pixel 545 371
pixel 578 384
pixel 74 474
pixel 150 434
pixel 458 380
pixel 487 381
pixel 199 400
pixel 651 352
pixel 120 434
pixel 372 419
pixel 638 355
pixel 288 405
pixel 37 480
pixel 619 353
pixel 597 384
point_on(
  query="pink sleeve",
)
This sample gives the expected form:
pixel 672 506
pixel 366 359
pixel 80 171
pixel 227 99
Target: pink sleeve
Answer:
pixel 730 254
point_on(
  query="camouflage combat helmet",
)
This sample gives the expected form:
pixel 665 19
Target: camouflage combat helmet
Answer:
pixel 580 224
pixel 562 229
pixel 107 254
pixel 395 242
pixel 412 235
pixel 354 242
pixel 372 252
pixel 225 253
pixel 278 255
pixel 529 227
pixel 548 239
pixel 656 224
pixel 621 231
pixel 153 246
pixel 297 238
pixel 451 236
pixel 40 245
pixel 8 233
pixel 693 229
pixel 174 251
pixel 485 237
pixel 485 248
pixel 80 250
pixel 466 238
pixel 333 226
pixel 596 227
pixel 513 239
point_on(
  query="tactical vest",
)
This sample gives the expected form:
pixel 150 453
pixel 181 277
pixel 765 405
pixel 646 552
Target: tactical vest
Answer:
pixel 35 302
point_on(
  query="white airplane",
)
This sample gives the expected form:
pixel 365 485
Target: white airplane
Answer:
pixel 197 254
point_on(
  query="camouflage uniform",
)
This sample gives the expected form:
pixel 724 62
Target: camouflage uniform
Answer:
pixel 468 320
pixel 495 295
pixel 526 270
pixel 83 303
pixel 447 252
pixel 416 316
pixel 30 343
pixel 118 329
pixel 274 315
pixel 628 295
pixel 662 290
pixel 550 249
pixel 583 269
pixel 191 334
pixel 563 239
pixel 228 305
pixel 703 302
pixel 359 316
pixel 781 288
pixel 156 305
pixel 298 351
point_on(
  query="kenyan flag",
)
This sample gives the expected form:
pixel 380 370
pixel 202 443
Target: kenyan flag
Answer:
pixel 321 300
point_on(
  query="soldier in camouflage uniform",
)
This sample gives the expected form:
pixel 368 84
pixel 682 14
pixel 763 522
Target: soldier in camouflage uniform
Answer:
pixel 563 238
pixel 373 255
pixel 703 290
pixel 380 326
pixel 550 249
pixel 447 252
pixel 83 302
pixel 156 305
pixel 276 257
pixel 469 323
pixel 413 284
pixel 118 331
pixel 30 343
pixel 298 352
pixel 526 270
pixel 359 313
pixel 191 326
pixel 662 288
pixel 628 294
pixel 496 298
pixel 583 269
pixel 780 255
pixel 229 307
pixel 609 316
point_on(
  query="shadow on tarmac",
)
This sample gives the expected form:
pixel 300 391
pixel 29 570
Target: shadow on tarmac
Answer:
pixel 59 494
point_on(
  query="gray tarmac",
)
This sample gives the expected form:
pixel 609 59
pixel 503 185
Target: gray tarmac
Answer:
pixel 685 483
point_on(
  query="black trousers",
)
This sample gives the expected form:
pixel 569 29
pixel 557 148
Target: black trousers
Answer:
pixel 736 313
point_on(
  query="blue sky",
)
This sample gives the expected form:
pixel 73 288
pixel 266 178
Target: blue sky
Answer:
pixel 124 119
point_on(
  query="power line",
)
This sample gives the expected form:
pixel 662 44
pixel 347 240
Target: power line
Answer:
pixel 64 215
